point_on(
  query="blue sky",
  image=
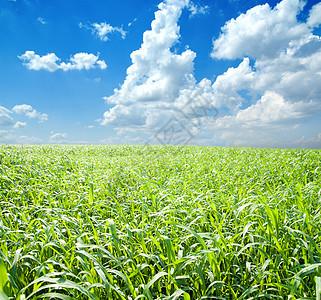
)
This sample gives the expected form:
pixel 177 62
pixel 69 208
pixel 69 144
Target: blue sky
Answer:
pixel 228 73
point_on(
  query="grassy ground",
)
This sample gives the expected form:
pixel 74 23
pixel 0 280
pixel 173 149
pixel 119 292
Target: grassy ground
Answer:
pixel 135 222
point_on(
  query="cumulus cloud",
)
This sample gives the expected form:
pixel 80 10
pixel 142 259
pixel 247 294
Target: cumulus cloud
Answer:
pixel 274 89
pixel 50 62
pixel 315 16
pixel 261 31
pixel 83 61
pixel 5 118
pixel 103 30
pixel 284 80
pixel 20 125
pixel 35 62
pixel 27 110
pixel 121 115
pixel 271 110
pixel 157 76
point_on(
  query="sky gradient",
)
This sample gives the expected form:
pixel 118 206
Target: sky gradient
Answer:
pixel 221 73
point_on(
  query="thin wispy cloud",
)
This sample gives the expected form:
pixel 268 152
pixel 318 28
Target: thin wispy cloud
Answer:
pixel 20 125
pixel 103 30
pixel 42 20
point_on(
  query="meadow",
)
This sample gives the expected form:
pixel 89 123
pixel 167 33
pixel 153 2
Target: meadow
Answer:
pixel 159 222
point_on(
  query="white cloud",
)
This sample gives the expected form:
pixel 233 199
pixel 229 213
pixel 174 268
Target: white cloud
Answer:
pixel 132 22
pixel 8 137
pixel 83 61
pixel 58 138
pixel 262 31
pixel 5 118
pixel 103 30
pixel 309 142
pixel 196 9
pixel 121 115
pixel 35 62
pixel 50 61
pixel 27 110
pixel 63 138
pixel 272 109
pixel 156 76
pixel 227 85
pixel 315 16
pixel 274 89
pixel 20 125
pixel 42 20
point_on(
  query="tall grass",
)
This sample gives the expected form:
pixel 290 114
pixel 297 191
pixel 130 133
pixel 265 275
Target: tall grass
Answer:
pixel 135 222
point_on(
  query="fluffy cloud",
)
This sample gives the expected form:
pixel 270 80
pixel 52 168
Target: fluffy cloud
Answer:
pixel 157 76
pixel 27 110
pixel 262 31
pixel 121 115
pixel 102 30
pixel 50 62
pixel 271 110
pixel 5 118
pixel 271 92
pixel 35 62
pixel 284 82
pixel 83 61
pixel 315 16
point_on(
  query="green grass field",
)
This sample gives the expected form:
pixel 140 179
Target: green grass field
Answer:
pixel 174 222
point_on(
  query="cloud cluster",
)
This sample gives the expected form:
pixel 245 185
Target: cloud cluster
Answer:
pixel 9 137
pixel 27 110
pixel 156 76
pixel 50 62
pixel 275 87
pixel 284 81
pixel 103 30
pixel 6 115
pixel 5 118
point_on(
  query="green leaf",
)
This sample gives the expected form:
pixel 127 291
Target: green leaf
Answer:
pixel 4 280
pixel 91 192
